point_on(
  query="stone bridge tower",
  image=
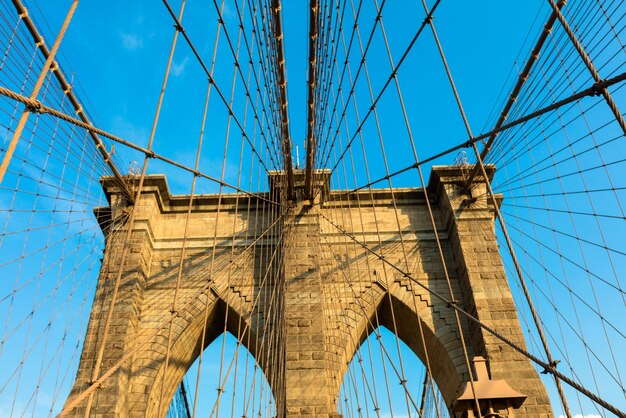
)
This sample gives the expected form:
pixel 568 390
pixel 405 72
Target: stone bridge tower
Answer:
pixel 315 353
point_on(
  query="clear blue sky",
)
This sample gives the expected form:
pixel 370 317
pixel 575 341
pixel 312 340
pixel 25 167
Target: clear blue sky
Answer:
pixel 123 46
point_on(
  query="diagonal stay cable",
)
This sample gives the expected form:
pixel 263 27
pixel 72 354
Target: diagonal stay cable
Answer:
pixel 41 108
pixel 523 76
pixel 392 76
pixel 358 73
pixel 68 90
pixel 238 69
pixel 181 29
pixel 591 91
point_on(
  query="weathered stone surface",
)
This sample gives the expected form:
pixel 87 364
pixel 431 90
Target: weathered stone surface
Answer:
pixel 335 293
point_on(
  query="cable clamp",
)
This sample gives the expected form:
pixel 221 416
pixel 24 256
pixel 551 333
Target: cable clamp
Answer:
pixel 452 303
pixel 178 27
pixel 35 107
pixel 551 367
pixel 597 88
pixel 96 383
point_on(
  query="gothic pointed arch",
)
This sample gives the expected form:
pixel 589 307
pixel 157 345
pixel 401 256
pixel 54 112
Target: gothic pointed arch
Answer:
pixel 374 385
pixel 395 310
pixel 199 328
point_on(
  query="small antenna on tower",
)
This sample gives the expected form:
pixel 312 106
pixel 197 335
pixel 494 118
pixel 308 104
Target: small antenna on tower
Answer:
pixel 297 158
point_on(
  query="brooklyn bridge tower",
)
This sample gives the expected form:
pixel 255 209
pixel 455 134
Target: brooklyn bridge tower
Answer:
pixel 403 265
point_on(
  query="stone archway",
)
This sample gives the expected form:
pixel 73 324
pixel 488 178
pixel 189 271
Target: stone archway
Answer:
pixel 185 349
pixel 323 314
pixel 218 287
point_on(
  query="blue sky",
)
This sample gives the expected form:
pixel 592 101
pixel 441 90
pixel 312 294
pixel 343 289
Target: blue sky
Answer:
pixel 116 52
pixel 127 52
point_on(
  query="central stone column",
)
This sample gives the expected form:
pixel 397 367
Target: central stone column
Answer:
pixel 307 384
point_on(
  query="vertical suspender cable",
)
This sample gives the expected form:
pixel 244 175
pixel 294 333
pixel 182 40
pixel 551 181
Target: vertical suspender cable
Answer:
pixel 282 81
pixel 312 82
